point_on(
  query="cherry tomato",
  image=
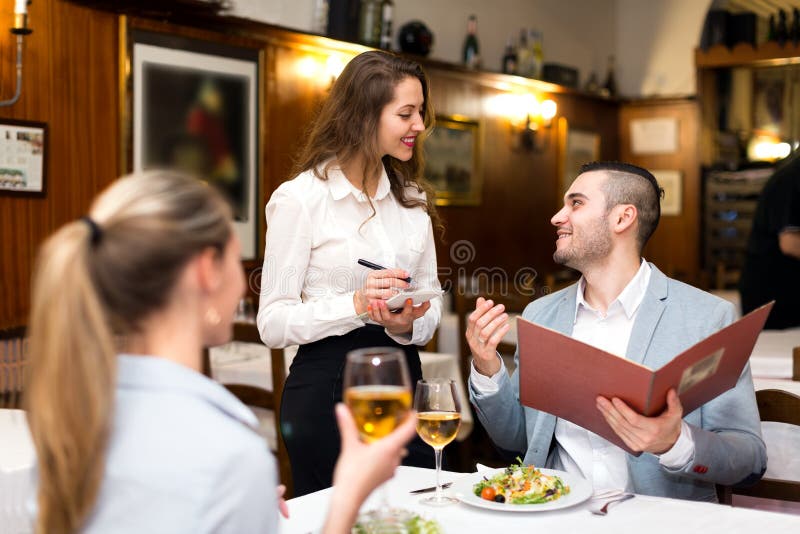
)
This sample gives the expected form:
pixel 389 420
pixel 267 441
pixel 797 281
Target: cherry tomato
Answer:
pixel 488 493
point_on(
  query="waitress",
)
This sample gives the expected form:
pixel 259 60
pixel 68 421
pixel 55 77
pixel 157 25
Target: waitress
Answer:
pixel 358 193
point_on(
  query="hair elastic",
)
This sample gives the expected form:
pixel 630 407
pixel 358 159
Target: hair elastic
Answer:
pixel 96 233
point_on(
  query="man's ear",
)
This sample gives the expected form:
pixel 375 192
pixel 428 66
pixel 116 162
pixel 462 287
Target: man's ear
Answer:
pixel 624 217
pixel 207 267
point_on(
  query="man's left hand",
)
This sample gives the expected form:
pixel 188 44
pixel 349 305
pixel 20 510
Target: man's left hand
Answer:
pixel 656 435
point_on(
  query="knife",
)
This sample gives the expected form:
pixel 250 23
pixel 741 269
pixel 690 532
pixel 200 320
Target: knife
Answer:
pixel 427 490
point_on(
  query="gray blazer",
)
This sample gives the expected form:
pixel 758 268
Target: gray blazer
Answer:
pixel 673 317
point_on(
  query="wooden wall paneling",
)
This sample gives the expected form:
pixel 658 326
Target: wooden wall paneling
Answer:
pixel 675 245
pixel 510 231
pixel 69 82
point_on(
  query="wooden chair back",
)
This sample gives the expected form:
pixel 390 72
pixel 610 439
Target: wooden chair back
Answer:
pixel 782 407
pixel 13 357
pixel 260 397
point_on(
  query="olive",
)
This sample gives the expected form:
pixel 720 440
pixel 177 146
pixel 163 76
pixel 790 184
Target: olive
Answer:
pixel 499 498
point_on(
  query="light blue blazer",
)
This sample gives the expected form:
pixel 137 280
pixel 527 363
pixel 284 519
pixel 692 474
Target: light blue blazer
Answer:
pixel 673 316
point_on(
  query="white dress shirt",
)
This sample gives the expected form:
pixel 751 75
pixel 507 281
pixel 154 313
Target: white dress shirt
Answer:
pixel 317 230
pixel 183 457
pixel 577 449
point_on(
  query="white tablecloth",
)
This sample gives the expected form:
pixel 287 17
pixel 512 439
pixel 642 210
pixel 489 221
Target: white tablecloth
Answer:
pixel 641 514
pixel 248 363
pixel 17 456
pixel 772 354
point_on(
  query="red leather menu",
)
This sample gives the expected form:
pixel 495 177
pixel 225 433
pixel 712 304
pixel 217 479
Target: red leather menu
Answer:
pixel 563 376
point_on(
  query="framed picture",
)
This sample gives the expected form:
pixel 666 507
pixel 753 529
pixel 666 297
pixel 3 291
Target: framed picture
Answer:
pixel 672 184
pixel 576 147
pixel 195 108
pixel 22 157
pixel 452 161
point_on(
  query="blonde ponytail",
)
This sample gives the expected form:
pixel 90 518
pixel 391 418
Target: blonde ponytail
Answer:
pixel 70 389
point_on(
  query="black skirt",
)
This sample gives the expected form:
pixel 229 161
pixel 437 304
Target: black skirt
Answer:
pixel 313 387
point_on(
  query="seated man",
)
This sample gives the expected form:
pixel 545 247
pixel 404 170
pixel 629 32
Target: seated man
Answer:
pixel 625 306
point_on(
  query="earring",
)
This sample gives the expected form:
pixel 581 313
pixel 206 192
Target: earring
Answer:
pixel 213 317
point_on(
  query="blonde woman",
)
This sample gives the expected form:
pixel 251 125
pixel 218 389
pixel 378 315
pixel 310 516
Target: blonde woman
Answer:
pixel 133 438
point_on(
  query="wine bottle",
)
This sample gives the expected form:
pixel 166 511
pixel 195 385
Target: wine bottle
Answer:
pixel 781 31
pixel 794 33
pixel 610 87
pixel 510 58
pixel 471 52
pixel 772 30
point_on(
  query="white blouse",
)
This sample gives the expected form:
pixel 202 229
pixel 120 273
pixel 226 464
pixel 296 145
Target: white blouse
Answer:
pixel 316 232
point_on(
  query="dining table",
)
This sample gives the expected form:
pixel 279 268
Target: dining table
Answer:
pixel 637 515
pixel 17 458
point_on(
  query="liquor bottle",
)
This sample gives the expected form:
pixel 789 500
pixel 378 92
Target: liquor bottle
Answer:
pixel 794 33
pixel 592 85
pixel 369 23
pixel 610 87
pixel 524 58
pixel 537 54
pixel 387 12
pixel 471 52
pixel 781 30
pixel 320 22
pixel 510 58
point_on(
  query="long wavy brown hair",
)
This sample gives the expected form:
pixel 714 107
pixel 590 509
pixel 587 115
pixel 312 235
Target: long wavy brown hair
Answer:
pixel 90 289
pixel 347 128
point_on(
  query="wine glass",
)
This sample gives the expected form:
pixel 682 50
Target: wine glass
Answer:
pixel 438 420
pixel 377 389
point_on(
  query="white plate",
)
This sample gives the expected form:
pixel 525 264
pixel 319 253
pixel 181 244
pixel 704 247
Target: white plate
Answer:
pixel 580 490
pixel 418 297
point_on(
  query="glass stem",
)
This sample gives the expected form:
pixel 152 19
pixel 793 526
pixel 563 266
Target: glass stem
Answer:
pixel 437 451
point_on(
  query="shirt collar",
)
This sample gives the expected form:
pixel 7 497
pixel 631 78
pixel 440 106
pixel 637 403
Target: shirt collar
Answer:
pixel 159 374
pixel 340 186
pixel 630 297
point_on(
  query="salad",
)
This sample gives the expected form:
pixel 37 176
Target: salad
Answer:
pixel 521 484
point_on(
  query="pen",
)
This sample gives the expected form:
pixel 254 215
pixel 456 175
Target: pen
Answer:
pixel 377 267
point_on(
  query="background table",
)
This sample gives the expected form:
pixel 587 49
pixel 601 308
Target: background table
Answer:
pixel 17 457
pixel 248 363
pixel 641 514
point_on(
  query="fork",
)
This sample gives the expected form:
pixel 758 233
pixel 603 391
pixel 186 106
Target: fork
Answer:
pixel 604 509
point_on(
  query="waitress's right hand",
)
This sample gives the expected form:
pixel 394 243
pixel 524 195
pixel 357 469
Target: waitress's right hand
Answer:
pixel 382 284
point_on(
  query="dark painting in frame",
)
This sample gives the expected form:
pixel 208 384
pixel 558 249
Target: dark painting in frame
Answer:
pixel 195 107
pixel 452 161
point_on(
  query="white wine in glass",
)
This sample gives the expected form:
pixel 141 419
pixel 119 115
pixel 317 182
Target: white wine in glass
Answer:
pixel 377 389
pixel 438 421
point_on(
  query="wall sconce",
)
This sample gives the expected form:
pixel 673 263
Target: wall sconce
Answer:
pixel 324 70
pixel 530 123
pixel 20 29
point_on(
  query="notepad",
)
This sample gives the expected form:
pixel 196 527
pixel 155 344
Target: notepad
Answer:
pixel 418 296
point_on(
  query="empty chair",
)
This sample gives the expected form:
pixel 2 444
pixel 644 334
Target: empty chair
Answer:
pixel 13 354
pixel 259 397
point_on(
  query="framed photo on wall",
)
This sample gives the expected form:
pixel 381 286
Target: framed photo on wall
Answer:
pixel 194 107
pixel 22 157
pixel 453 162
pixel 576 147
